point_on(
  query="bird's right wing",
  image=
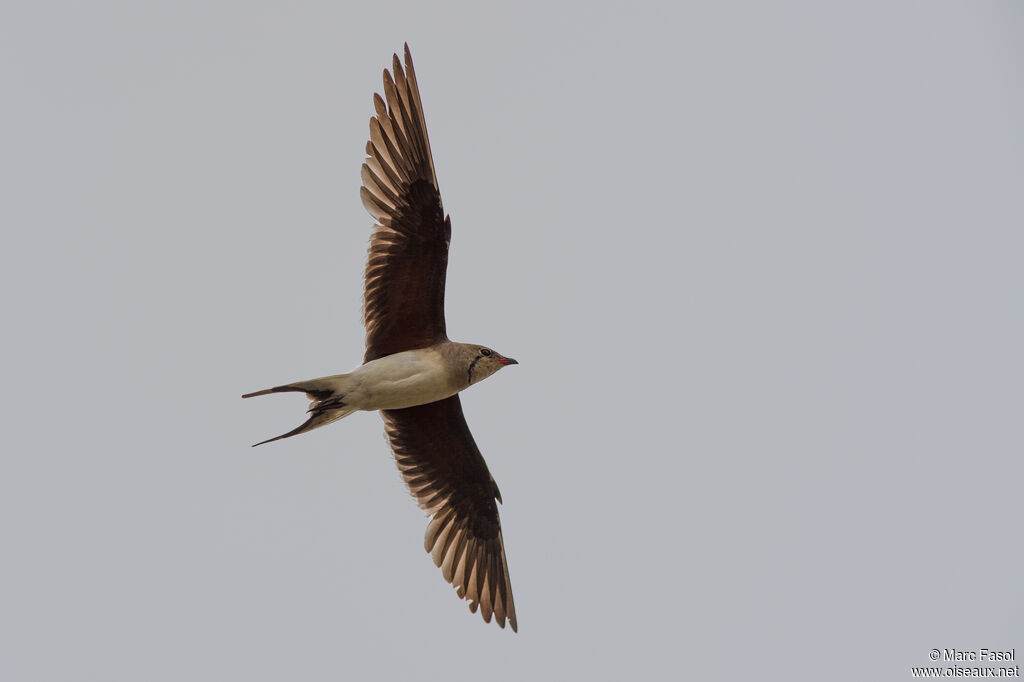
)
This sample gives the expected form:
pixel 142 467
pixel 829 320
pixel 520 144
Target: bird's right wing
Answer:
pixel 403 305
pixel 447 475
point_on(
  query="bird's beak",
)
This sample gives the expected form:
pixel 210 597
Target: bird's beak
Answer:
pixel 508 361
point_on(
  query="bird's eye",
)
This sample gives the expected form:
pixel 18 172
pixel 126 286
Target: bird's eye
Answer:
pixel 486 352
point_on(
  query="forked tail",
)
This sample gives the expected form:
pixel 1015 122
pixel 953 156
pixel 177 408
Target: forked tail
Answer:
pixel 326 404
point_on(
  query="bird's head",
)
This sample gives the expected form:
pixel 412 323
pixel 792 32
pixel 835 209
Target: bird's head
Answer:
pixel 483 362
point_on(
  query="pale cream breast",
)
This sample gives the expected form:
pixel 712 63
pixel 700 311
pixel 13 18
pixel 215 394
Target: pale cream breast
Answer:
pixel 405 379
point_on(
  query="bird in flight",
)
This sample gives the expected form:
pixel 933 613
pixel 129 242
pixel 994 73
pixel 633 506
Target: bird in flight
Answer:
pixel 411 372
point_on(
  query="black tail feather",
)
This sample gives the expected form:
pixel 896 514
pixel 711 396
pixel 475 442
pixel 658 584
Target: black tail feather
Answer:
pixel 313 395
pixel 308 424
pixel 321 412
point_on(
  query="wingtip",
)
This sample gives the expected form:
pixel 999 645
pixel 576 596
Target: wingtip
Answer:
pixel 510 620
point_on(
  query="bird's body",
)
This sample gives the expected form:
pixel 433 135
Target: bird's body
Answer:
pixel 393 382
pixel 406 379
pixel 411 371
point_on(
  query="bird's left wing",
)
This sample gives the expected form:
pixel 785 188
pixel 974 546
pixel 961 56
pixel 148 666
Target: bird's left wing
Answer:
pixel 403 304
pixel 447 475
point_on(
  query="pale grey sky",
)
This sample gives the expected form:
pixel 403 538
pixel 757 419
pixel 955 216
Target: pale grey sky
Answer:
pixel 762 266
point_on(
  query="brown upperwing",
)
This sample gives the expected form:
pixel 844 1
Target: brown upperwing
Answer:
pixel 403 305
pixel 403 310
pixel 447 475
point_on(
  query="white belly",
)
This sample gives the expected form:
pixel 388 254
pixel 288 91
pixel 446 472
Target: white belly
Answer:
pixel 414 377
